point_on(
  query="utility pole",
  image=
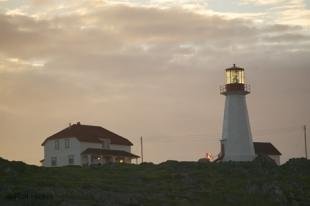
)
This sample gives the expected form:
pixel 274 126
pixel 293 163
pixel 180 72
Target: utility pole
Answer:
pixel 305 135
pixel 141 141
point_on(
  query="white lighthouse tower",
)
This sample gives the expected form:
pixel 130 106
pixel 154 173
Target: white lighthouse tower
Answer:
pixel 236 142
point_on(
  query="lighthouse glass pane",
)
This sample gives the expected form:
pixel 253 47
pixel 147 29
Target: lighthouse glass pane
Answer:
pixel 228 77
pixel 235 76
pixel 242 77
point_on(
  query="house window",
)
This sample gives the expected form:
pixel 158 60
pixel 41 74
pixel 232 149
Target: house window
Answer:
pixel 105 143
pixel 57 144
pixel 54 161
pixel 71 159
pixel 67 143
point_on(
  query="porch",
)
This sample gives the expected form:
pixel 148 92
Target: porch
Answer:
pixel 103 156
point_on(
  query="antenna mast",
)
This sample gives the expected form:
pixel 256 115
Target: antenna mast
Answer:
pixel 305 136
pixel 141 141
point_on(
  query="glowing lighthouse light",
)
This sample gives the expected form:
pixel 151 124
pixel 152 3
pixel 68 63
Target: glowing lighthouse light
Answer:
pixel 209 156
pixel 235 75
pixel 236 142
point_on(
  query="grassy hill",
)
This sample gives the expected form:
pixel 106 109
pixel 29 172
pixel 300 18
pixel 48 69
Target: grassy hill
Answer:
pixel 170 183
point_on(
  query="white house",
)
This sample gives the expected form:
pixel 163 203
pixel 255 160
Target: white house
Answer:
pixel 86 145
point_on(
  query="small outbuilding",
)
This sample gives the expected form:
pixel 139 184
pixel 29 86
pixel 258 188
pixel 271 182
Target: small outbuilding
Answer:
pixel 266 148
pixel 260 148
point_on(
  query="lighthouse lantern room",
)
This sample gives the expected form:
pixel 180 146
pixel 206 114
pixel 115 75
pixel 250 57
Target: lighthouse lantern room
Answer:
pixel 235 81
pixel 235 75
pixel 236 142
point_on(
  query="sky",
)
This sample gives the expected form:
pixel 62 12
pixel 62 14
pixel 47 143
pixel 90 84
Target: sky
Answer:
pixel 152 69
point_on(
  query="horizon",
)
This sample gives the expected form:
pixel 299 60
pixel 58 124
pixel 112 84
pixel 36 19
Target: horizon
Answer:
pixel 152 69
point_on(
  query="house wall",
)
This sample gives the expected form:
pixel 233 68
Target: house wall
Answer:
pixel 63 153
pixel 126 148
pixel 107 144
pixel 75 149
pixel 276 158
pixel 86 145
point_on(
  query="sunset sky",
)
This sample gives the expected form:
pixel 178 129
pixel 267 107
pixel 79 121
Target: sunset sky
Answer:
pixel 153 69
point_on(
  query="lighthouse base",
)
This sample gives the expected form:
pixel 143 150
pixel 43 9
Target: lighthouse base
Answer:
pixel 238 158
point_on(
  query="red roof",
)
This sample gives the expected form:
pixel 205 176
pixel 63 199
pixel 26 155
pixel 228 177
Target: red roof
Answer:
pixel 88 133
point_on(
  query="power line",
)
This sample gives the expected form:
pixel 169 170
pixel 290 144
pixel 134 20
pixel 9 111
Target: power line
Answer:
pixel 272 133
pixel 207 135
pixel 279 130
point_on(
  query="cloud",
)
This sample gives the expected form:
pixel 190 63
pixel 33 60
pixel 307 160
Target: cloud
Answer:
pixel 116 27
pixel 144 71
pixel 18 65
pixel 263 2
pixel 124 45
pixel 292 12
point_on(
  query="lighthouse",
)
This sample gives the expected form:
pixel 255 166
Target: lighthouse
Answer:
pixel 236 142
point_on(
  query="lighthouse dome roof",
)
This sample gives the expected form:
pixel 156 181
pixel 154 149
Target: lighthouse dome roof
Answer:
pixel 234 67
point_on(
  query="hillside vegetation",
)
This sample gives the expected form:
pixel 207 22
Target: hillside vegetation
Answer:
pixel 170 183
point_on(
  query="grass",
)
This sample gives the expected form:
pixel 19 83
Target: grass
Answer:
pixel 169 183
